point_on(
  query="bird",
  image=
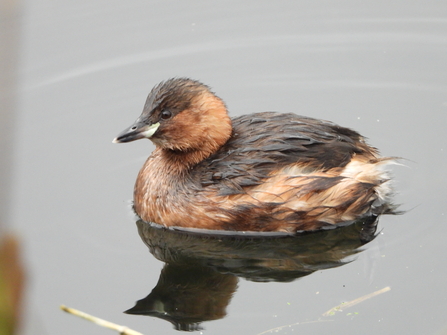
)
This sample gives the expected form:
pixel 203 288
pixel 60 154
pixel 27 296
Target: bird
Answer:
pixel 260 172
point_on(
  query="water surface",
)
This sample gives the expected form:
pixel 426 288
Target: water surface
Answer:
pixel 85 70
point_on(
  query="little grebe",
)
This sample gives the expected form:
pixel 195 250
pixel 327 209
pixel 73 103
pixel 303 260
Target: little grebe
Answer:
pixel 259 172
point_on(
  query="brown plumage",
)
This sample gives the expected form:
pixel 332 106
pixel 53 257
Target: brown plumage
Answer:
pixel 259 172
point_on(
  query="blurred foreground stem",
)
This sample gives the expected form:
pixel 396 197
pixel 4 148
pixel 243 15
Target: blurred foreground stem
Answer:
pixel 123 330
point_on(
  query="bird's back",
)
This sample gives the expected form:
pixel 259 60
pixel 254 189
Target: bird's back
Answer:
pixel 286 172
pixel 263 143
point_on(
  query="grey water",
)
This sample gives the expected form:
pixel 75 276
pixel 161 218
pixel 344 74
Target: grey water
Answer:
pixel 85 69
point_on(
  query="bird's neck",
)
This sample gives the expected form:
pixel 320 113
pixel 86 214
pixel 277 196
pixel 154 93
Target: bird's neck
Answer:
pixel 182 161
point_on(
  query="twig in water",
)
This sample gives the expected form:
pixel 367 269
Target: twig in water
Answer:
pixel 123 330
pixel 332 310
pixel 351 303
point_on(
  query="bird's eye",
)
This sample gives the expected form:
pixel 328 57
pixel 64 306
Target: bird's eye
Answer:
pixel 166 114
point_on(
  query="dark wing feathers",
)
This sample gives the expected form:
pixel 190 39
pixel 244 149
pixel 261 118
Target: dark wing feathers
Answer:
pixel 264 142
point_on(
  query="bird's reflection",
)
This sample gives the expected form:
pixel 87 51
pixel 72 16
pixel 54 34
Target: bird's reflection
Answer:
pixel 201 271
